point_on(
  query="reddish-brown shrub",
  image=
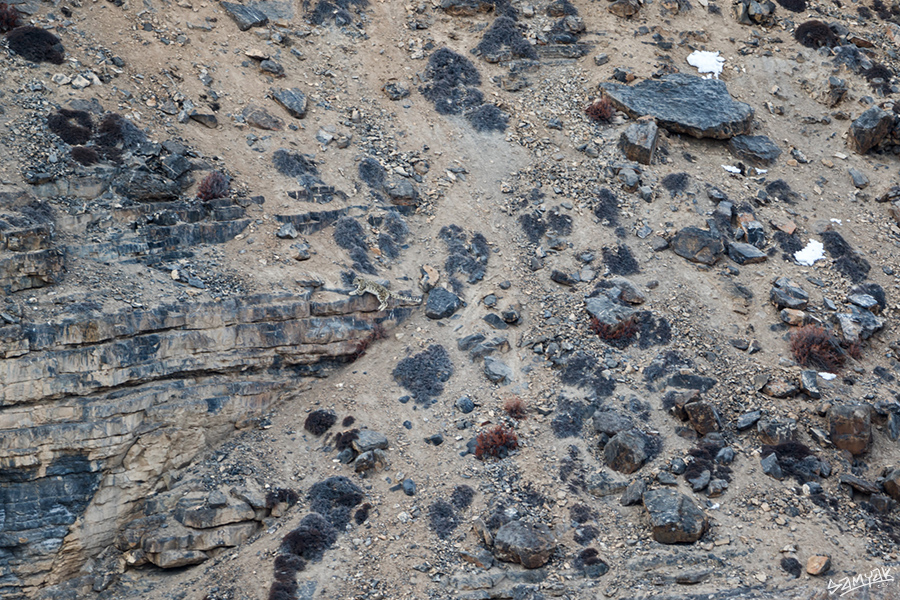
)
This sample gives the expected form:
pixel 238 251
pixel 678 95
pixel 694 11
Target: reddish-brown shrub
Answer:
pixel 816 347
pixel 215 185
pixel 618 335
pixel 854 350
pixel 497 442
pixel 515 408
pixel 601 111
pixel 9 17
pixel 85 155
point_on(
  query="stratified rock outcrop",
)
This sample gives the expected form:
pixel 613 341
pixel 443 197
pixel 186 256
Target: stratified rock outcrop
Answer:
pixel 96 410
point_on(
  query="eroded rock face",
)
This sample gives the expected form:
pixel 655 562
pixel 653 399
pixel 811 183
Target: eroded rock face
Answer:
pixel 95 410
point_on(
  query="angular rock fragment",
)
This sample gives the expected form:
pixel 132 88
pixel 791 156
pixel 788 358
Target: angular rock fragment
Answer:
pixel 687 104
pixel 758 150
pixel 674 518
pixel 639 141
pixel 528 544
pixel 697 245
pixel 293 100
pixel 245 16
pixel 869 129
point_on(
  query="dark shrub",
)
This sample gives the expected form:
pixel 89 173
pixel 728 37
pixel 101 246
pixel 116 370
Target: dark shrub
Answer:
pixel 442 518
pixel 424 374
pixel 515 408
pixel 293 164
pixel 311 539
pixel 335 498
pixel 462 496
pixel 606 207
pixel 344 439
pixel 287 566
pixel 72 126
pixel 496 442
pixel 283 590
pixel 36 44
pixel 319 421
pixel 9 17
pixel 601 111
pixel 814 346
pixel 676 183
pixel 348 421
pixel 796 6
pixel 215 185
pixel 279 495
pixel 488 117
pixel 815 34
pixel 349 234
pixel 504 33
pixel 84 155
pixel 581 513
pixel 362 513
pixel 620 260
pixel 847 262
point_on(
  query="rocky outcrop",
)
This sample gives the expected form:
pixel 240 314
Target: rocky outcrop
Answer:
pixel 95 410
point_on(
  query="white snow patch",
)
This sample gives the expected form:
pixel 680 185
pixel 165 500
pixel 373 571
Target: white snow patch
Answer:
pixel 827 376
pixel 761 171
pixel 731 169
pixel 707 62
pixel 838 221
pixel 808 256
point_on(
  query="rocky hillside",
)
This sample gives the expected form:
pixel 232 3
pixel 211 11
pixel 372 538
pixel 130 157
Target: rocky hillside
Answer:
pixel 471 299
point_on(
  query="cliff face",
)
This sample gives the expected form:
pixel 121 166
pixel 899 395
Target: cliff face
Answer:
pixel 97 412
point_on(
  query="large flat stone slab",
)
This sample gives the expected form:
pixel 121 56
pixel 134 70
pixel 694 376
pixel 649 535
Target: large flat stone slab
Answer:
pixel 699 107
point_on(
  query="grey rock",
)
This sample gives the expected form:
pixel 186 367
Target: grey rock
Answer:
pixel 245 16
pixel 217 499
pixel 892 483
pixel 373 460
pixel 850 427
pixel 287 232
pixel 639 141
pixel 272 67
pixel 698 245
pixel 528 544
pixel 699 483
pixel 774 431
pixel 626 451
pixel 611 422
pixel 258 117
pixel 176 165
pixel 601 59
pixel 409 487
pixel 745 254
pixel 860 181
pixel 602 484
pixel 869 129
pixel 172 559
pixel 685 104
pixel 142 186
pixel 207 120
pixel 678 466
pixel 787 294
pixel 858 324
pixel 835 92
pixel 465 405
pixel 395 91
pixel 369 440
pixel 293 100
pixel 758 150
pixel 859 484
pixel 466 8
pixel 497 371
pixel 809 383
pixel 606 310
pixel 441 304
pixel 634 493
pixel 674 518
pixel 401 191
pixel 624 8
pixel 771 467
pixel 703 416
pixel 716 487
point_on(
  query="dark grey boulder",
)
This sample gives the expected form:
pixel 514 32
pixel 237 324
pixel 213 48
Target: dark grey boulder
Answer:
pixel 633 493
pixel 293 100
pixel 257 116
pixel 441 304
pixel 639 141
pixel 142 186
pixel 369 440
pixel 758 150
pixel 626 451
pixel 745 254
pixel 771 467
pixel 869 129
pixel 774 431
pixel 850 427
pixel 606 310
pixel 601 484
pixel 401 191
pixel 497 371
pixel 698 245
pixel 674 518
pixel 787 294
pixel 245 16
pixel 528 544
pixel 748 419
pixel 610 422
pixel 699 107
pixel 860 181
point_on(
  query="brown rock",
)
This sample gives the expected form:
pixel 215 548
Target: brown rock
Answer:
pixel 792 316
pixel 892 483
pixel 780 388
pixel 624 8
pixel 258 117
pixel 850 427
pixel 528 544
pixel 818 564
pixel 703 416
